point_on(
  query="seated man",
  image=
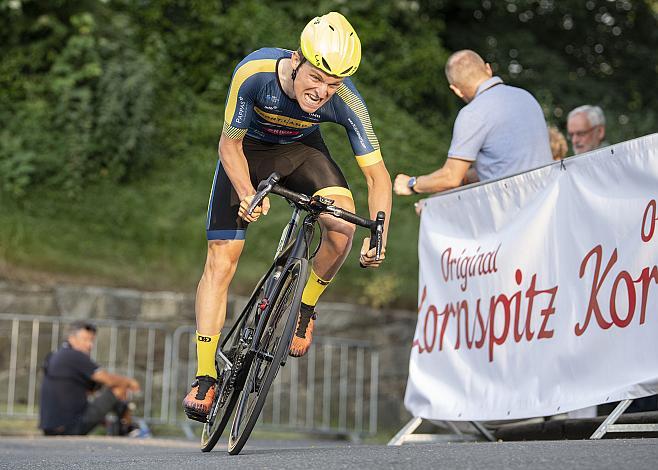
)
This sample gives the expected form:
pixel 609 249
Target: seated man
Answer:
pixel 69 376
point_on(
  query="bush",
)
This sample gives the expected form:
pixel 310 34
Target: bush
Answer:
pixel 86 111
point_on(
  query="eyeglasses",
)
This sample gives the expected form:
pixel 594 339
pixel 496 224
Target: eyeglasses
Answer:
pixel 571 135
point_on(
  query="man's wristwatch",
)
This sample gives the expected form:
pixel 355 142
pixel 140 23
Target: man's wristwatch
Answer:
pixel 411 183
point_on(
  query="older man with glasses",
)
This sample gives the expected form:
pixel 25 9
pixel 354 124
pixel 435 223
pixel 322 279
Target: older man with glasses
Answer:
pixel 586 128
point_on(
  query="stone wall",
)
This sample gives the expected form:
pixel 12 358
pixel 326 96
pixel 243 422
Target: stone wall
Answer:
pixel 390 331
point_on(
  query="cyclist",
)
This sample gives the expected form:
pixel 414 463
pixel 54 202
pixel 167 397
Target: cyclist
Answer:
pixel 276 100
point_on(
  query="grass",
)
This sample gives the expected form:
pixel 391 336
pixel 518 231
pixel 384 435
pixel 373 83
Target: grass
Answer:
pixel 149 233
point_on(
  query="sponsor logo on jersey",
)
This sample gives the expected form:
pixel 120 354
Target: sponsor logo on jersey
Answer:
pixel 281 120
pixel 240 111
pixel 358 134
pixel 272 98
pixel 286 132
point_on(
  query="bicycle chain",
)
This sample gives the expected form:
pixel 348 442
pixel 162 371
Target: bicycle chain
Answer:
pixel 237 365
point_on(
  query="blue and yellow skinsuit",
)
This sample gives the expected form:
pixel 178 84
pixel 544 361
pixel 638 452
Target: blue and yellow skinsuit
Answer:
pixel 279 135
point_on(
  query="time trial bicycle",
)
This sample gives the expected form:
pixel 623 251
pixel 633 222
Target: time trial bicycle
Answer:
pixel 256 346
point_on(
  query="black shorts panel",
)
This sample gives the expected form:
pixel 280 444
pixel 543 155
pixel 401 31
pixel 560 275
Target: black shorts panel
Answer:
pixel 305 166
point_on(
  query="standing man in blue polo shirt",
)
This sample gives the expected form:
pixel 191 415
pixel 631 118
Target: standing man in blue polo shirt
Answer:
pixel 501 130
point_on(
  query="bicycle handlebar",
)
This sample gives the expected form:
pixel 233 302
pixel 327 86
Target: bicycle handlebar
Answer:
pixel 270 185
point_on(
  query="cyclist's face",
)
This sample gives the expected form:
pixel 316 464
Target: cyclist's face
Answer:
pixel 583 136
pixel 313 87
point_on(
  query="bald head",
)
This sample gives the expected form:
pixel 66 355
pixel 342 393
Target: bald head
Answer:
pixel 466 69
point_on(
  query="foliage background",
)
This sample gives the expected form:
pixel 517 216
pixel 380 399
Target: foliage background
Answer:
pixel 110 112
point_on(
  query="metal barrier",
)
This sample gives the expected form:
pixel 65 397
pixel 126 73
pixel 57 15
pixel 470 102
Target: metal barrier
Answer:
pixel 332 390
pixel 137 349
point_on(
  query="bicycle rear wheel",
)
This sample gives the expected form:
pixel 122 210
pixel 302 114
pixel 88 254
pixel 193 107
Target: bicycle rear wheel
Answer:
pixel 270 350
pixel 235 346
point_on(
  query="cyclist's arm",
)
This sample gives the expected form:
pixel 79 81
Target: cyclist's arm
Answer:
pixel 379 192
pixel 352 113
pixel 248 78
pixel 237 169
pixel 235 164
pixel 245 83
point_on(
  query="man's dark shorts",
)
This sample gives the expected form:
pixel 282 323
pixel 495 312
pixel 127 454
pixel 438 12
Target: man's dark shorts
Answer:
pixel 304 166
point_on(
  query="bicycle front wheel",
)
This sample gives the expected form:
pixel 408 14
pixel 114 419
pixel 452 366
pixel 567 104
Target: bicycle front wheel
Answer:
pixel 271 348
pixel 235 346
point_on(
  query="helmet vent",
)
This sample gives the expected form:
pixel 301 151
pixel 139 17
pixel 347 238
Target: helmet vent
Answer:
pixel 332 28
pixel 346 70
pixel 352 33
pixel 324 62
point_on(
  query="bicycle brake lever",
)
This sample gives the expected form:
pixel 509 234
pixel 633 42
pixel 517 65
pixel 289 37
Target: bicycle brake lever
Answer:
pixel 264 188
pixel 376 236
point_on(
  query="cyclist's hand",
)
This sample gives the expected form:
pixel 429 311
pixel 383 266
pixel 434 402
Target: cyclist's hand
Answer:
pixel 263 209
pixel 367 258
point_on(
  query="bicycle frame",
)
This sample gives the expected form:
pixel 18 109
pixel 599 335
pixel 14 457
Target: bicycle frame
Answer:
pixel 290 249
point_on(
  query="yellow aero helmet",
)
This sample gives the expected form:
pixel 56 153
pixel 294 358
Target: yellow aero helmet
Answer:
pixel 330 43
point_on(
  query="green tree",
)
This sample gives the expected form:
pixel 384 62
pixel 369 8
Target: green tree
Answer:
pixel 567 53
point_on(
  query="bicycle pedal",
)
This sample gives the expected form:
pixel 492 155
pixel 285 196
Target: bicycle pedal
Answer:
pixel 196 416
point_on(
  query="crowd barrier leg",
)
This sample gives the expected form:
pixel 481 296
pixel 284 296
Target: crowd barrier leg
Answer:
pixel 406 434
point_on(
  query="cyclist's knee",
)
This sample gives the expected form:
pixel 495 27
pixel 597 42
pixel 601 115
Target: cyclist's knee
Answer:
pixel 339 236
pixel 338 229
pixel 339 233
pixel 222 258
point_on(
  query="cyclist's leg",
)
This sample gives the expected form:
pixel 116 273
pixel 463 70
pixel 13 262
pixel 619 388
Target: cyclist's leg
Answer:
pixel 225 232
pixel 212 293
pixel 319 174
pixel 337 236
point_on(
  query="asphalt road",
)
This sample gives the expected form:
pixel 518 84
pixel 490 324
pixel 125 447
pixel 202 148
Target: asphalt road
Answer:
pixel 160 454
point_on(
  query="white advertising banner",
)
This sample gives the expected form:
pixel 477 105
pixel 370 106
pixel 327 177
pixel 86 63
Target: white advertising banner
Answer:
pixel 538 293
